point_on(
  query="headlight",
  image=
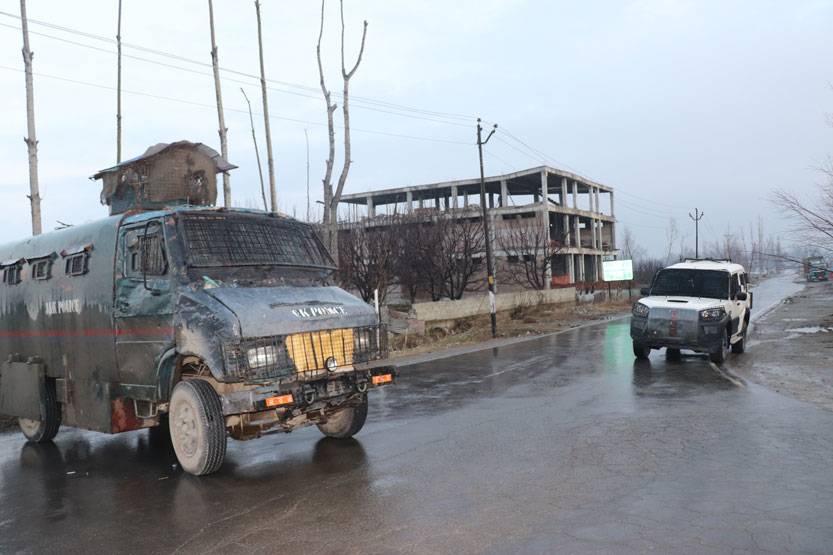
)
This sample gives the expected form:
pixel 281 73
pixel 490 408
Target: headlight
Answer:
pixel 640 309
pixel 711 314
pixel 262 356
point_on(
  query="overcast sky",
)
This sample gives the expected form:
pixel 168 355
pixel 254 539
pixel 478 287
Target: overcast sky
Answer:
pixel 675 104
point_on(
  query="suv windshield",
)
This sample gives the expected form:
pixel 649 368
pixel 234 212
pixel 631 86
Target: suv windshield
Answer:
pixel 713 284
pixel 217 240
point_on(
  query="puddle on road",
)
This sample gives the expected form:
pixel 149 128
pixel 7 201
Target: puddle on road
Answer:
pixel 810 329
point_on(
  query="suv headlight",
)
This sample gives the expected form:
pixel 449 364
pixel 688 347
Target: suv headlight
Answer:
pixel 640 309
pixel 261 356
pixel 711 314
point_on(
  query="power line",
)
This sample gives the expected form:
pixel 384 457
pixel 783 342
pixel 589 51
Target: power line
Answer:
pixel 354 98
pixel 238 110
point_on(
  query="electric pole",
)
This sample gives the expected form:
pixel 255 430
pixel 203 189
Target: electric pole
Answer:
pixel 31 139
pixel 270 160
pixel 696 217
pixel 118 88
pixel 218 93
pixel 490 270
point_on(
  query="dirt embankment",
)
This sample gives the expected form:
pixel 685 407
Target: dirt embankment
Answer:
pixel 791 348
pixel 533 320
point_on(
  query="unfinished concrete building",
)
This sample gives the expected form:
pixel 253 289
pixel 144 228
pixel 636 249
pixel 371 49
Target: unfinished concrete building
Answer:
pixel 576 213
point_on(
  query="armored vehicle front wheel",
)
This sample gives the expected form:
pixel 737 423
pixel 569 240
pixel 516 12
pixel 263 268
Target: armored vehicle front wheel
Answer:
pixel 346 422
pixel 45 429
pixel 640 351
pixel 198 428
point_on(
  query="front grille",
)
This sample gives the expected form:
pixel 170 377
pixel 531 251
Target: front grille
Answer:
pixel 304 354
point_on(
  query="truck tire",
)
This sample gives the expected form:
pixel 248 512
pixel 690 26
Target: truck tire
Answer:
pixel 198 428
pixel 672 354
pixel 44 430
pixel 640 351
pixel 719 356
pixel 346 422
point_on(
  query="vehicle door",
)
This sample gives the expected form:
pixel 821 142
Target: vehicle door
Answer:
pixel 737 306
pixel 143 302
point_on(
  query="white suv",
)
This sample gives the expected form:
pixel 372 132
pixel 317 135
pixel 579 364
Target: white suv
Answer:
pixel 701 305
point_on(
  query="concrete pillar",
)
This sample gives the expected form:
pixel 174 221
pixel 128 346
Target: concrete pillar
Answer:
pixel 504 194
pixel 593 234
pixel 578 231
pixel 575 194
pixel 563 191
pixel 612 214
pixel 590 190
pixel 465 200
pixel 596 194
pixel 567 233
pixel 491 200
pixel 409 201
pixel 420 202
pixel 581 267
pixel 544 189
pixel 571 270
pixel 454 201
pixel 371 209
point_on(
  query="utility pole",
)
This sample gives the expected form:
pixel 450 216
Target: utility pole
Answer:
pixel 306 138
pixel 490 270
pixel 273 193
pixel 118 89
pixel 215 65
pixel 31 140
pixel 696 217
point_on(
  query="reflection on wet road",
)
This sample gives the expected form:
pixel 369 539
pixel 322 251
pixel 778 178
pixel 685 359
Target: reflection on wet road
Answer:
pixel 561 443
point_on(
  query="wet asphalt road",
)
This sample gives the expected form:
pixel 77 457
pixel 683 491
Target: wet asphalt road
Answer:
pixel 558 444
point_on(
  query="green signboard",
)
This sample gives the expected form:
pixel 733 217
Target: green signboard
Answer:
pixel 617 270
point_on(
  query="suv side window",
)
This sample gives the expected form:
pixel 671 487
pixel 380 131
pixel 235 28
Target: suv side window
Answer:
pixel 146 255
pixel 735 286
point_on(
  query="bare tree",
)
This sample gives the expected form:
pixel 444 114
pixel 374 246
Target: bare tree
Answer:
pixel 257 151
pixel 118 88
pixel 31 140
pixel 367 260
pixel 462 251
pixel 273 193
pixel 332 199
pixel 530 251
pixel 812 221
pixel 671 236
pixel 223 131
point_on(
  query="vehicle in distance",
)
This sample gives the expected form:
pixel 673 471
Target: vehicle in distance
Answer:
pixel 700 305
pixel 211 322
pixel 815 269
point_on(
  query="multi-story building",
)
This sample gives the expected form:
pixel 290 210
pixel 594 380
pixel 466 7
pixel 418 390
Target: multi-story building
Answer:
pixel 575 213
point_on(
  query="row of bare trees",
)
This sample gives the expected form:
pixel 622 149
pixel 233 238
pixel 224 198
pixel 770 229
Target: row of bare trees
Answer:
pixel 441 256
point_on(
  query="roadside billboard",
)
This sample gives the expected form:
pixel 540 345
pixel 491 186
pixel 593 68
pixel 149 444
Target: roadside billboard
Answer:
pixel 617 270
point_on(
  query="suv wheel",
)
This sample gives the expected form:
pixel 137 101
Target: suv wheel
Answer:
pixel 720 356
pixel 198 428
pixel 640 351
pixel 672 354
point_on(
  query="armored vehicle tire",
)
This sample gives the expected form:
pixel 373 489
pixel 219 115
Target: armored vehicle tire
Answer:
pixel 41 431
pixel 640 351
pixel 719 356
pixel 347 422
pixel 672 354
pixel 198 428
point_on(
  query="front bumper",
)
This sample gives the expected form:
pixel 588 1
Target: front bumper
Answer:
pixel 697 336
pixel 305 395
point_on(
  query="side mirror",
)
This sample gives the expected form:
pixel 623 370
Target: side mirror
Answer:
pixel 740 296
pixel 645 291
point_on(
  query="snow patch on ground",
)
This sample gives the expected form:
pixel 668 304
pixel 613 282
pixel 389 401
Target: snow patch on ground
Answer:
pixel 810 329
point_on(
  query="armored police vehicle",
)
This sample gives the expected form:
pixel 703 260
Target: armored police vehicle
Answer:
pixel 700 305
pixel 211 322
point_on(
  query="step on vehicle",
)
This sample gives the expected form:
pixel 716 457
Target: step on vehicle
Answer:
pixel 211 322
pixel 699 305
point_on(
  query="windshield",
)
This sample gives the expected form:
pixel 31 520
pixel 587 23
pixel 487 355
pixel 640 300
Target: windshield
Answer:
pixel 215 240
pixel 713 284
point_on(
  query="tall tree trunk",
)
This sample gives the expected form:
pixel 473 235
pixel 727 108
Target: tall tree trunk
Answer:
pixel 328 172
pixel 223 131
pixel 257 151
pixel 270 160
pixel 118 89
pixel 345 109
pixel 31 140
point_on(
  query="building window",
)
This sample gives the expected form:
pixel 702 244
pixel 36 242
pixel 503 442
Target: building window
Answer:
pixel 76 264
pixel 11 274
pixel 41 269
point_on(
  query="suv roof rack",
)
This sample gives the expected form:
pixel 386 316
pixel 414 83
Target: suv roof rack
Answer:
pixel 708 260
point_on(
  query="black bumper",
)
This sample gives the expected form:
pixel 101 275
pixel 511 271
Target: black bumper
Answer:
pixel 708 337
